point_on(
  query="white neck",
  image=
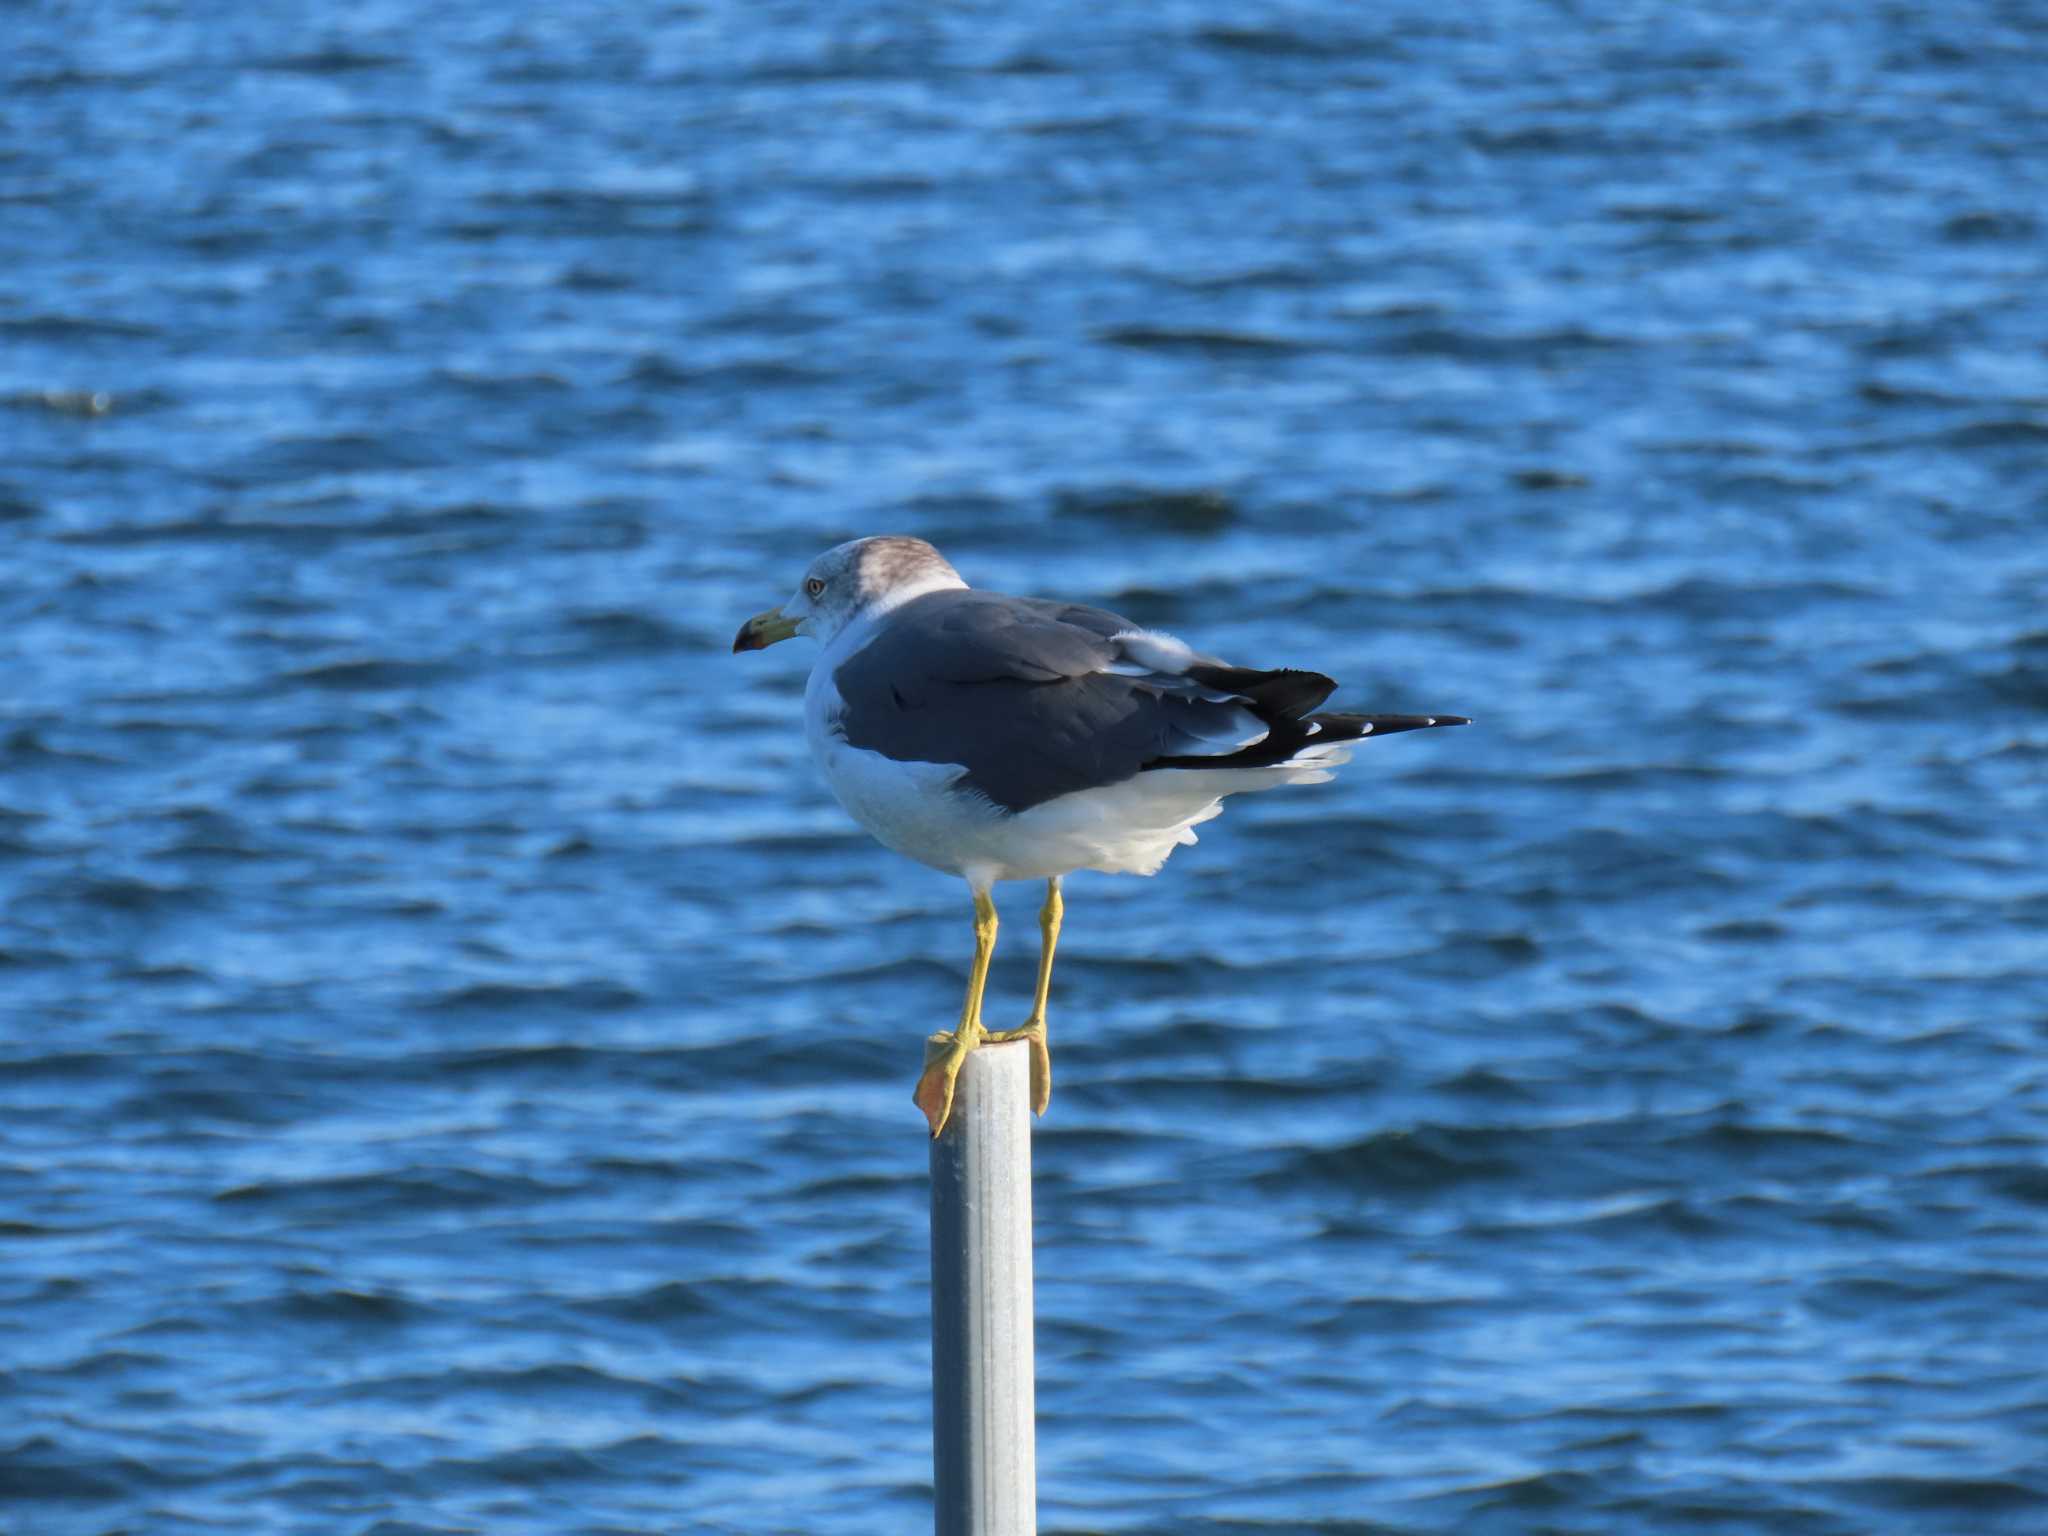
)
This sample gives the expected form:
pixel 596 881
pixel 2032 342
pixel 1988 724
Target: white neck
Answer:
pixel 896 597
pixel 860 629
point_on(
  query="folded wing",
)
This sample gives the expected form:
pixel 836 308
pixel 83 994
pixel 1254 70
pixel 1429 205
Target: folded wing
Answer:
pixel 1036 699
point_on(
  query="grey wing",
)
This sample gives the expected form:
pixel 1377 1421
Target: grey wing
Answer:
pixel 1036 699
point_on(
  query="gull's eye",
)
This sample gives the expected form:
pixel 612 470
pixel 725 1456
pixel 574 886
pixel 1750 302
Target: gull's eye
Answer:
pixel 814 586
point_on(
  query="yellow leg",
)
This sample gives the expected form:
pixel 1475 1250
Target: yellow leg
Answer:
pixel 1033 1028
pixel 943 1054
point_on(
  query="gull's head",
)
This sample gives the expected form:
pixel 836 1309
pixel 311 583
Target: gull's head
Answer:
pixel 857 580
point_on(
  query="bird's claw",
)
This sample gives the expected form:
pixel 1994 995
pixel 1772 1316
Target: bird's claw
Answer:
pixel 944 1054
pixel 1033 1033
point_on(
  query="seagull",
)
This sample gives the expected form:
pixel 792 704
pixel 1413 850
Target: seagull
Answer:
pixel 1022 738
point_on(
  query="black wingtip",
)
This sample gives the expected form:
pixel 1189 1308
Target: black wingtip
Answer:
pixel 1352 727
pixel 1286 693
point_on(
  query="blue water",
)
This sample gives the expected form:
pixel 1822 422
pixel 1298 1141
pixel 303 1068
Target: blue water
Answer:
pixel 455 1059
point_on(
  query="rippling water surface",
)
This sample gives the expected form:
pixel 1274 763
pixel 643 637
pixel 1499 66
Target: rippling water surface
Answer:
pixel 454 1058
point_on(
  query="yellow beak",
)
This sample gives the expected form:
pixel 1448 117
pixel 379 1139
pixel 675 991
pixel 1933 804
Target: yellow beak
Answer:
pixel 762 631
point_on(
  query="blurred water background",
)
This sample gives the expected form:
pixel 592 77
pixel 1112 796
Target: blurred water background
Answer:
pixel 454 1058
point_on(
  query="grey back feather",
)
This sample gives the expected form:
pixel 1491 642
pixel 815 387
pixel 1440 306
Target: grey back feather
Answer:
pixel 1017 692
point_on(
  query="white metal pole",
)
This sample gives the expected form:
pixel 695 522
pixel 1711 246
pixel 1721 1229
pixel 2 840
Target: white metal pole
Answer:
pixel 984 1450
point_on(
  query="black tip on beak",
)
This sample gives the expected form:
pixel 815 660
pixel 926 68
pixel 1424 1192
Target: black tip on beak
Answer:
pixel 762 631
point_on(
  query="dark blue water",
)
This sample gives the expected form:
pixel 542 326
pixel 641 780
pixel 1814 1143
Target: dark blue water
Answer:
pixel 454 1058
